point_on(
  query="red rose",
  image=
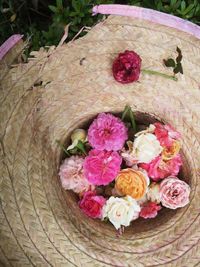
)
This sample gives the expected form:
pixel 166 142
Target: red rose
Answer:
pixel 92 205
pixel 126 67
pixel 149 210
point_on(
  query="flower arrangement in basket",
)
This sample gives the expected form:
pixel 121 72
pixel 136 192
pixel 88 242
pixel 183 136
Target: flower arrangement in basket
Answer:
pixel 122 170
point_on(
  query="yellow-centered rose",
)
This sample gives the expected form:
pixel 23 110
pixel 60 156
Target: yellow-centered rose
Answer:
pixel 131 182
pixel 170 152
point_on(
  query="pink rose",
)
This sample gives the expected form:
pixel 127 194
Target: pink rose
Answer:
pixel 102 167
pixel 107 132
pixel 72 176
pixel 92 205
pixel 174 193
pixel 126 67
pixel 149 210
pixel 166 134
pixel 158 169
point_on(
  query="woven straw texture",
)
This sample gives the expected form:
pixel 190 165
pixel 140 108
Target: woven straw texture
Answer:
pixel 60 89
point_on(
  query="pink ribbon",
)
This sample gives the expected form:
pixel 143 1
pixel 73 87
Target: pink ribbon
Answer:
pixel 150 15
pixel 9 43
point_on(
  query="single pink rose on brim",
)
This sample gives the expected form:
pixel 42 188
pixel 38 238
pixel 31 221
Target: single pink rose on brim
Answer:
pixel 149 210
pixel 158 169
pixel 174 193
pixel 101 167
pixel 126 67
pixel 166 134
pixel 92 205
pixel 107 132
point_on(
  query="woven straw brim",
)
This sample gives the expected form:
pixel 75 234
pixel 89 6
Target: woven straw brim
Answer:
pixel 59 89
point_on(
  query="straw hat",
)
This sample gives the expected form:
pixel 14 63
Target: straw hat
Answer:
pixel 61 89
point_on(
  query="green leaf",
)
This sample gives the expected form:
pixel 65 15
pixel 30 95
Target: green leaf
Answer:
pixel 63 148
pixel 132 117
pixel 188 9
pixel 169 63
pixel 128 113
pixel 183 5
pixel 125 112
pixel 81 147
pixel 172 2
pixel 59 4
pixel 53 9
pixel 179 57
pixel 76 4
pixel 178 69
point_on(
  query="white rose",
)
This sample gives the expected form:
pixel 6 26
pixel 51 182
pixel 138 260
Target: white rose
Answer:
pixel 153 193
pixel 147 147
pixel 121 211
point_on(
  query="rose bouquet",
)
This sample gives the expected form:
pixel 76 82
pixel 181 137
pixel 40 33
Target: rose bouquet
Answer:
pixel 121 170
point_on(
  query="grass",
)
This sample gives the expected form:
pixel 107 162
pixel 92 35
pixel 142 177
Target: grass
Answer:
pixel 43 21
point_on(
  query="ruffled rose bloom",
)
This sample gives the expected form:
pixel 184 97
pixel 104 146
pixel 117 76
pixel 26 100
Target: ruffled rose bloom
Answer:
pixel 92 205
pixel 171 151
pixel 72 176
pixel 174 193
pixel 107 132
pixel 158 169
pixel 147 147
pixel 132 182
pixel 149 210
pixel 121 211
pixel 166 134
pixel 126 67
pixel 101 167
pixel 153 194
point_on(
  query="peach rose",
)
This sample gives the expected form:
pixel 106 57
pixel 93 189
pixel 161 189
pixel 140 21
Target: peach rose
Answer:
pixel 132 182
pixel 170 152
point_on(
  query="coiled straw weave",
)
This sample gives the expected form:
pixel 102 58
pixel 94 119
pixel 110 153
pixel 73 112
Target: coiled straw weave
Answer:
pixel 60 89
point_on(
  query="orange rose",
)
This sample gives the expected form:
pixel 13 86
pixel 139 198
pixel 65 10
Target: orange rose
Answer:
pixel 170 152
pixel 131 182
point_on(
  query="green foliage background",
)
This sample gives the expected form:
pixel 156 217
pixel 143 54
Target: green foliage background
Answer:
pixel 43 21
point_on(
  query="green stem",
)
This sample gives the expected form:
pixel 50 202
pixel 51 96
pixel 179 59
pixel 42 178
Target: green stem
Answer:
pixel 153 72
pixel 126 110
pixel 63 148
pixel 132 119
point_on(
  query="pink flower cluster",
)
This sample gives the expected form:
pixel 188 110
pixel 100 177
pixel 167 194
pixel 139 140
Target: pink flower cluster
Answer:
pixel 153 155
pixel 166 134
pixel 158 168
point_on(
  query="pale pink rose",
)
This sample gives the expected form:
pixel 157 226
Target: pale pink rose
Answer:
pixel 72 176
pixel 149 210
pixel 102 167
pixel 174 193
pixel 107 132
pixel 158 169
pixel 166 134
pixel 92 205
